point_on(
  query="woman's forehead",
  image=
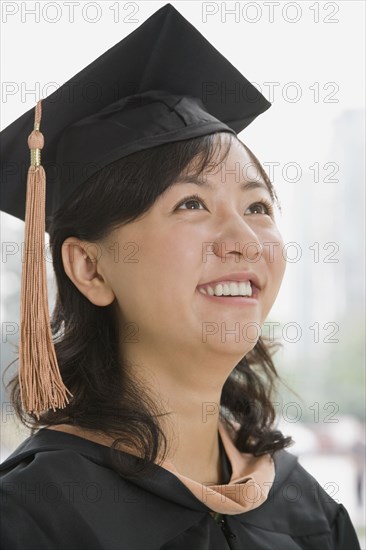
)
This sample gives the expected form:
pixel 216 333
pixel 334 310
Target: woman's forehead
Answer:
pixel 230 159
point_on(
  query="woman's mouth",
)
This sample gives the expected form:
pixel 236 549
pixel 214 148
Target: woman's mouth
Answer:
pixel 231 292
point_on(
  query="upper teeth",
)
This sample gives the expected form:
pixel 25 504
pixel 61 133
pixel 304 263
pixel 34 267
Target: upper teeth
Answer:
pixel 228 289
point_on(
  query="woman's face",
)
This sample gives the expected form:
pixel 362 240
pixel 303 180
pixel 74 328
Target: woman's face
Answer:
pixel 155 265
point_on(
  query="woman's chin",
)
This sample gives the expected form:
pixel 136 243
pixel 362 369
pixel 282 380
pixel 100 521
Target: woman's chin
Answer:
pixel 230 344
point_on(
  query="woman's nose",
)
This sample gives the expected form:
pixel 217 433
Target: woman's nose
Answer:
pixel 236 237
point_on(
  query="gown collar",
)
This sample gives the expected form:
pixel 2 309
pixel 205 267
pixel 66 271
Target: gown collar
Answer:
pixel 250 478
pixel 248 486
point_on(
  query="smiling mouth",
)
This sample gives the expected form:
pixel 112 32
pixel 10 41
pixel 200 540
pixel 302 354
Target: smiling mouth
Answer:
pixel 230 289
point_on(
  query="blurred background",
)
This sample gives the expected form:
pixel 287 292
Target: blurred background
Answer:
pixel 308 60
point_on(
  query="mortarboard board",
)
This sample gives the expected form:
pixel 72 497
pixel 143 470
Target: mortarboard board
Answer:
pixel 164 82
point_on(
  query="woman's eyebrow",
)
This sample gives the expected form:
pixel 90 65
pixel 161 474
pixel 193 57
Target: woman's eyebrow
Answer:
pixel 243 186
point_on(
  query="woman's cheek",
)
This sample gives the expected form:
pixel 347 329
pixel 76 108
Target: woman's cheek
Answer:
pixel 272 244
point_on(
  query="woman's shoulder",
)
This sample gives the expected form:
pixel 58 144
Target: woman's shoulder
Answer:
pixel 45 484
pixel 54 479
pixel 294 489
pixel 56 469
pixel 53 468
pixel 299 506
pixel 48 452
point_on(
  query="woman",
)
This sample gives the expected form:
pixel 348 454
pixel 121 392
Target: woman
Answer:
pixel 167 438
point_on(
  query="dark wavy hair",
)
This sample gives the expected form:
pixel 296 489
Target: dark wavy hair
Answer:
pixel 107 399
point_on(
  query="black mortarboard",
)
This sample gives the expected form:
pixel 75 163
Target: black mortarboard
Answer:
pixel 164 82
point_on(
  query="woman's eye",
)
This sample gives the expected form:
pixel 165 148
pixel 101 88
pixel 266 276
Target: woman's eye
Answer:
pixel 263 207
pixel 190 201
pixel 193 202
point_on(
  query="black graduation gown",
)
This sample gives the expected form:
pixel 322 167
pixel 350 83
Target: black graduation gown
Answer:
pixel 58 492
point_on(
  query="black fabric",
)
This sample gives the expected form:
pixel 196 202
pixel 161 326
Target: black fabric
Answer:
pixel 225 464
pixel 58 492
pixel 162 83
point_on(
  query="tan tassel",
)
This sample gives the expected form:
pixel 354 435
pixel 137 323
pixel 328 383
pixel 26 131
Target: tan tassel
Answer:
pixel 41 385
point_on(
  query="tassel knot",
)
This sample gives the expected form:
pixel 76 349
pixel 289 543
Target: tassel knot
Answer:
pixel 36 140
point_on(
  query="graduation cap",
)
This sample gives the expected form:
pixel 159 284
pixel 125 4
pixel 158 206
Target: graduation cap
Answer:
pixel 163 83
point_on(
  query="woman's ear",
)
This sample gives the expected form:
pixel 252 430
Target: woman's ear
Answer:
pixel 82 268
